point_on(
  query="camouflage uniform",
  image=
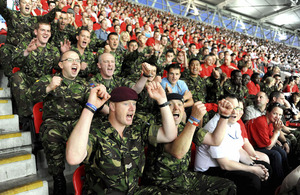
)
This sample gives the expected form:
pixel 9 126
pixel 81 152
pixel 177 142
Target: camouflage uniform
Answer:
pixel 38 63
pixel 197 87
pixel 119 57
pixel 61 109
pixel 89 58
pixel 19 28
pixel 114 164
pixel 95 43
pixel 58 35
pixel 172 174
pixel 230 88
pixel 266 89
pixel 214 90
pixel 192 56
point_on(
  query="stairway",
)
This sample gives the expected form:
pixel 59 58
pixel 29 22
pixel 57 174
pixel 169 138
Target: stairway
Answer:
pixel 18 172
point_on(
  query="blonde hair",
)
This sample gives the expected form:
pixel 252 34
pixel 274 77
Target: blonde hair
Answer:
pixel 122 34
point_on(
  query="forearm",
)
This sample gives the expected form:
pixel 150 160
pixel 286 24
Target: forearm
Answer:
pixel 189 103
pixel 249 148
pixel 77 142
pixel 244 157
pixel 274 139
pixel 139 85
pixel 215 138
pixel 181 145
pixel 168 132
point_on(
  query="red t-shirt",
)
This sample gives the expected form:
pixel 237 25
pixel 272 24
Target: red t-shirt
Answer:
pixel 243 129
pixel 295 89
pixel 206 71
pixel 110 29
pixel 259 132
pixel 150 41
pixel 227 70
pixel 78 20
pixel 252 88
pixel 249 72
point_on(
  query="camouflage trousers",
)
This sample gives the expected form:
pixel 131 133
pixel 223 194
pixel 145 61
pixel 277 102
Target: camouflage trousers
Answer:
pixel 294 155
pixel 55 135
pixel 20 83
pixel 6 59
pixel 196 183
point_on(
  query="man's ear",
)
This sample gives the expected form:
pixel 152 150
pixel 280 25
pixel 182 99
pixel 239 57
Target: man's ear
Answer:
pixel 35 32
pixel 112 106
pixel 60 65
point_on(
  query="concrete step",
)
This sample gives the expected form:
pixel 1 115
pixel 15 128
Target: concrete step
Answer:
pixel 30 185
pixel 15 139
pixel 16 165
pixel 3 80
pixel 5 93
pixel 5 107
pixel 9 123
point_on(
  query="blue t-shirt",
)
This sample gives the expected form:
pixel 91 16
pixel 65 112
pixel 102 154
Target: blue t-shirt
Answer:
pixel 180 86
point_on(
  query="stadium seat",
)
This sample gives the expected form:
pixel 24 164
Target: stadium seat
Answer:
pixel 37 116
pixel 15 69
pixel 193 155
pixel 78 179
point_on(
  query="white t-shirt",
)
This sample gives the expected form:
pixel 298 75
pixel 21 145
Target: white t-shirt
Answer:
pixel 232 142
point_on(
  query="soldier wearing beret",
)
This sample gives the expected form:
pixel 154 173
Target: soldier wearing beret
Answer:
pixel 114 149
pixel 167 163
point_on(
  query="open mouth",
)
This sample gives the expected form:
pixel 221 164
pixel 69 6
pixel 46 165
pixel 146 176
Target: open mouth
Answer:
pixel 129 116
pixel 84 43
pixel 27 8
pixel 74 69
pixel 175 116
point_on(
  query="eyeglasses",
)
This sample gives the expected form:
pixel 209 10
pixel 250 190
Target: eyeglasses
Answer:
pixel 71 60
pixel 238 109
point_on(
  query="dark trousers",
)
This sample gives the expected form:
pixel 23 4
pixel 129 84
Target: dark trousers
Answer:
pixel 246 182
pixel 278 161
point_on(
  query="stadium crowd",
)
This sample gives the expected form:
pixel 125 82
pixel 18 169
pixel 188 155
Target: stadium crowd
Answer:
pixel 121 81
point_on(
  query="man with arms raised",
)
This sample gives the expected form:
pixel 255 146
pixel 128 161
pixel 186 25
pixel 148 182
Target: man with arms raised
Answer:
pixel 114 149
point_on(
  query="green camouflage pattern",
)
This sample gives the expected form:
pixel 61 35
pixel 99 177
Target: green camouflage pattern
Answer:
pixel 197 86
pixel 266 89
pixel 65 102
pixel 69 33
pixel 230 88
pixel 95 43
pixel 114 164
pixel 6 59
pixel 61 109
pixel 214 90
pixel 39 62
pixel 20 27
pixel 20 82
pixel 54 136
pixel 111 83
pixel 172 174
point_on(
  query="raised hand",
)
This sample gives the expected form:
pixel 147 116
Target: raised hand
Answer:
pixel 168 89
pixel 278 125
pixel 107 49
pixel 225 107
pixel 83 65
pixel 146 68
pixel 198 110
pixel 55 82
pixel 65 46
pixel 33 45
pixel 156 92
pixel 98 96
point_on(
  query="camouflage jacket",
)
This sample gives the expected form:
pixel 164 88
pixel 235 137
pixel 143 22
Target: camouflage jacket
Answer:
pixel 110 84
pixel 114 164
pixel 197 87
pixel 161 167
pixel 95 43
pixel 20 27
pixel 89 58
pixel 230 88
pixel 65 102
pixel 39 62
pixel 58 36
pixel 266 89
pixel 214 90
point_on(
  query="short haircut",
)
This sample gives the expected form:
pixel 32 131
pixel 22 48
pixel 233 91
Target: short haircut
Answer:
pixel 82 29
pixel 275 94
pixel 274 105
pixel 234 72
pixel 255 74
pixel 112 34
pixel 174 66
pixel 193 59
pixel 131 41
pixel 37 26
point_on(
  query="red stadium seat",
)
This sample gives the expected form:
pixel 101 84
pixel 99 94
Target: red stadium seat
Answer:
pixel 15 69
pixel 193 155
pixel 37 116
pixel 78 179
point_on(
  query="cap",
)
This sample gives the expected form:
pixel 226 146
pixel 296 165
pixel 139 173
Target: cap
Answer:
pixel 175 96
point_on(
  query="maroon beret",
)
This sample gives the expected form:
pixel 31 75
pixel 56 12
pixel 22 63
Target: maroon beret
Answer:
pixel 121 94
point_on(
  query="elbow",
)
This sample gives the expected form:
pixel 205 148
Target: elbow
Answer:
pixel 178 155
pixel 73 159
pixel 223 166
